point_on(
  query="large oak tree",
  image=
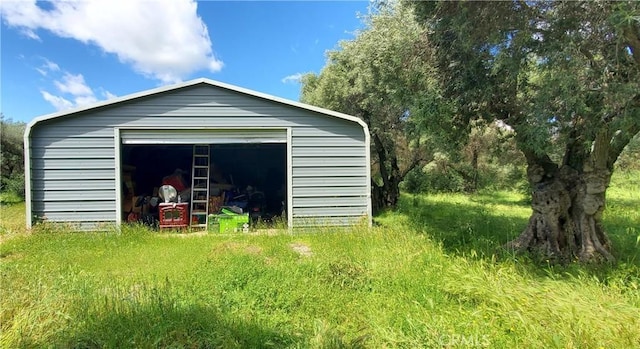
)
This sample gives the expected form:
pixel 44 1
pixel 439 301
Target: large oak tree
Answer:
pixel 566 77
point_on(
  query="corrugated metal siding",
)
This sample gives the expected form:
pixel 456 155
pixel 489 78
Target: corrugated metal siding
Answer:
pixel 328 221
pixel 73 160
pixel 203 136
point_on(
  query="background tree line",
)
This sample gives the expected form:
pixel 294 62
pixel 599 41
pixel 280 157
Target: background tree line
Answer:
pixel 11 156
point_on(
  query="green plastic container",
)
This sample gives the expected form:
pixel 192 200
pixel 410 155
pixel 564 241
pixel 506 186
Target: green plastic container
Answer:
pixel 212 224
pixel 227 223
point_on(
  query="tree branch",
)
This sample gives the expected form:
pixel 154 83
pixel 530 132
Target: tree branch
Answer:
pixel 622 137
pixel 539 167
pixel 619 141
pixel 414 162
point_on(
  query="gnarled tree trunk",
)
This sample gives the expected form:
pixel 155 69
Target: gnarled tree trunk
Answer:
pixel 568 202
pixel 567 216
pixel 393 165
pixel 387 194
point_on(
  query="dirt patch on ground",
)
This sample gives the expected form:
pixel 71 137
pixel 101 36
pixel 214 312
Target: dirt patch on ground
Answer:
pixel 268 231
pixel 236 247
pixel 251 249
pixel 302 249
pixel 182 235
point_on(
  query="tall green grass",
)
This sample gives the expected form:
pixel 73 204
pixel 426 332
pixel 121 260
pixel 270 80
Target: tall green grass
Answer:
pixel 12 218
pixel 430 275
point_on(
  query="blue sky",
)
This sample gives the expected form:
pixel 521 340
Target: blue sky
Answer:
pixel 62 55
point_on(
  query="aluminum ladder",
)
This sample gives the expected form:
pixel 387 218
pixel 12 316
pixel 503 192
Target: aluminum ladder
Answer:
pixel 200 186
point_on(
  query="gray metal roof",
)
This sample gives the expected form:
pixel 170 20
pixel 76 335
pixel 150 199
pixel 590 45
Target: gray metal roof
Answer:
pixel 194 82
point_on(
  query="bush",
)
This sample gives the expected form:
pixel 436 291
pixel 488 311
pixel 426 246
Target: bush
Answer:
pixel 12 156
pixel 14 185
pixel 444 176
pixel 488 160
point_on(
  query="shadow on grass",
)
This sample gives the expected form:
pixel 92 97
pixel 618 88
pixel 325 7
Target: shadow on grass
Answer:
pixel 473 229
pixel 627 204
pixel 192 327
pixel 624 233
pixel 501 198
pixel 152 317
pixel 462 227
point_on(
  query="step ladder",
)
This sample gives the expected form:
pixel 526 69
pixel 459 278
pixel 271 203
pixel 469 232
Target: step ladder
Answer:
pixel 200 187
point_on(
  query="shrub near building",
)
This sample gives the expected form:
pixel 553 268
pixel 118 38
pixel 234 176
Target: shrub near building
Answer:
pixel 12 150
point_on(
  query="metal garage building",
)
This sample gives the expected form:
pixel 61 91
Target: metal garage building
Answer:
pixel 74 160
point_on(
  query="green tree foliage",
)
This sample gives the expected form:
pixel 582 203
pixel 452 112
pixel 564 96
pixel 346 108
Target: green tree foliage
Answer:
pixel 565 75
pixel 377 77
pixel 12 150
pixel 488 159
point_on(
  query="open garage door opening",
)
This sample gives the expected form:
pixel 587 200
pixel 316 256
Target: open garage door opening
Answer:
pixel 249 179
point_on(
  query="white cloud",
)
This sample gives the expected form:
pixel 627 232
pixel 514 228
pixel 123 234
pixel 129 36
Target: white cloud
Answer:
pixel 85 100
pixel 73 84
pixel 72 89
pixel 47 67
pixel 57 102
pixel 50 65
pixel 163 39
pixel 108 95
pixel 295 78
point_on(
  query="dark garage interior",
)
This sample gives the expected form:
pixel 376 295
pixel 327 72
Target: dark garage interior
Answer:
pixel 249 178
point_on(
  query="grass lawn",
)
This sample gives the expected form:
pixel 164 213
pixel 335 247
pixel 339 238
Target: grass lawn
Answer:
pixel 429 275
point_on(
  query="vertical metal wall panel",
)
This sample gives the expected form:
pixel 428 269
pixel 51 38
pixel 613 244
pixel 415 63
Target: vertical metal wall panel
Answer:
pixel 74 155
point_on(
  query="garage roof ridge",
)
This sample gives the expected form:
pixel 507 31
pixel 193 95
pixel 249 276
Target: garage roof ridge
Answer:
pixel 190 83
